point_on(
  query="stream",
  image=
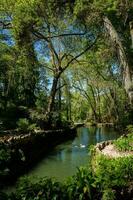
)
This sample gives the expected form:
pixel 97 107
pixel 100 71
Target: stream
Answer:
pixel 65 158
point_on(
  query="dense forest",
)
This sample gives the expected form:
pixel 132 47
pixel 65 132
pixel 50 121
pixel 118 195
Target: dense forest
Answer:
pixel 66 62
pixel 63 61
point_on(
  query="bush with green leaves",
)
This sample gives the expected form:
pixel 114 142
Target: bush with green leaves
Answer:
pixel 124 143
pixel 44 189
pixel 24 125
pixel 5 154
pixel 79 186
pixel 5 158
pixel 108 194
pixel 129 128
pixel 112 174
pixel 105 181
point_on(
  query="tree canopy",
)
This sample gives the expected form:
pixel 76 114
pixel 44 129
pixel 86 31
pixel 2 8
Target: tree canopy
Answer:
pixel 68 60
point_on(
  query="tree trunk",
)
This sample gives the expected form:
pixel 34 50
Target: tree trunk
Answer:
pixel 99 104
pixel 131 32
pixel 52 98
pixel 59 99
pixel 124 58
pixel 28 60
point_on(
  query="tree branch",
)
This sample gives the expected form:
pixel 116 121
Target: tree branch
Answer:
pixel 66 34
pixel 4 25
pixel 80 54
pixel 60 87
pixel 49 68
pixel 40 35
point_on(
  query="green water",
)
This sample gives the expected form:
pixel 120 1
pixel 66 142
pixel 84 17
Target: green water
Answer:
pixel 65 158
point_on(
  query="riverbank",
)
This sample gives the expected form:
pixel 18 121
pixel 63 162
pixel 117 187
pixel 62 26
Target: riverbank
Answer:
pixel 112 168
pixel 107 178
pixel 20 152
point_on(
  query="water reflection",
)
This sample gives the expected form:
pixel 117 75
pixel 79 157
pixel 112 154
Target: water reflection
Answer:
pixel 65 158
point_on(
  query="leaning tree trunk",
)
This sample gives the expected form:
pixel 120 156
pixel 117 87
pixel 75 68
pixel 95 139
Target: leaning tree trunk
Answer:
pixel 124 59
pixel 52 99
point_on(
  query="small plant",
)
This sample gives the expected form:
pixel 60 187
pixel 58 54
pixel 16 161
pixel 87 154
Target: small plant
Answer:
pixel 108 194
pixel 79 186
pixel 129 129
pixel 5 158
pixel 32 127
pixel 5 155
pixel 23 124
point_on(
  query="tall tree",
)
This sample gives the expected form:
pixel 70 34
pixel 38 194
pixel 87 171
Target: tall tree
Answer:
pixel 44 24
pixel 115 17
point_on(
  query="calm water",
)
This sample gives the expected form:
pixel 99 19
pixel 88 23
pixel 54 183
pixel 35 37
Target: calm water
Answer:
pixel 65 158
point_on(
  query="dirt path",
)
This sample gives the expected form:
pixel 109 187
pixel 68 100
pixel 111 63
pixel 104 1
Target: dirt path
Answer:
pixel 111 151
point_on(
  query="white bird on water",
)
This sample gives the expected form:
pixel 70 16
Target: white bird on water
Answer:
pixel 82 146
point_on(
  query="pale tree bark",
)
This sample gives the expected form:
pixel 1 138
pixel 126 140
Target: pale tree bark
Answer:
pixel 124 59
pixel 131 32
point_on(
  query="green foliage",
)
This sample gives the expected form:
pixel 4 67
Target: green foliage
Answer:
pixel 47 189
pixel 106 5
pixel 125 143
pixel 79 186
pixel 23 124
pixel 5 155
pixel 32 53
pixel 32 127
pixel 112 173
pixel 105 180
pixel 129 129
pixel 108 194
pixel 5 158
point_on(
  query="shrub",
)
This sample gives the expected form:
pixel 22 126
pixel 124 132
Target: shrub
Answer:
pixel 105 179
pixel 32 127
pixel 124 143
pixel 105 182
pixel 23 124
pixel 44 189
pixel 129 129
pixel 80 185
pixel 112 173
pixel 108 194
pixel 5 154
